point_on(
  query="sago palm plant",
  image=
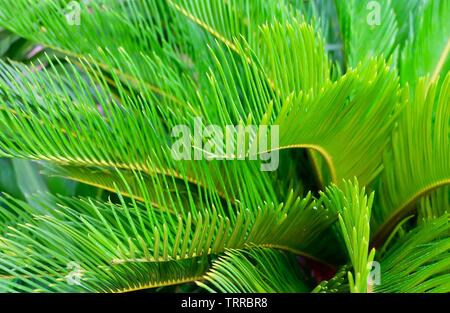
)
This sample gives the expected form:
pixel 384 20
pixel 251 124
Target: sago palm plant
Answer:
pixel 358 90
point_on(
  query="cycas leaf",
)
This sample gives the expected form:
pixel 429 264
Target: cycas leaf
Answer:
pixel 349 110
pixel 255 271
pixel 293 56
pixel 80 135
pixel 369 29
pixel 122 23
pixel 418 161
pixel 256 81
pixel 229 19
pixel 104 114
pixel 171 192
pixel 278 36
pixel 352 107
pixel 354 207
pixel 427 51
pixel 434 205
pixel 129 184
pixel 77 125
pixel 51 253
pixel 238 88
pixel 337 284
pixel 131 238
pixel 11 215
pixel 405 11
pixel 419 261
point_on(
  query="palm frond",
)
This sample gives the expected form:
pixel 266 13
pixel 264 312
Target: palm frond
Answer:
pixel 354 209
pixel 72 141
pixel 435 205
pixel 128 237
pixel 226 20
pixel 122 23
pixel 405 12
pixel 36 257
pixel 419 261
pixel 418 161
pixel 255 271
pixel 298 113
pixel 349 89
pixel 297 47
pixel 369 29
pixel 337 284
pixel 352 107
pixel 427 51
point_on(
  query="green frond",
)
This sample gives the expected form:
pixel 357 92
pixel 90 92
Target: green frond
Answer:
pixel 341 106
pixel 435 205
pixel 427 50
pixel 353 107
pixel 405 12
pixel 419 261
pixel 255 271
pixel 254 83
pixel 76 113
pixel 293 55
pixel 337 284
pixel 137 130
pixel 226 20
pixel 354 209
pixel 51 253
pixel 418 161
pixel 239 88
pixel 122 23
pixel 130 236
pixel 128 184
pixel 10 215
pixel 278 36
pixel 348 89
pixel 369 28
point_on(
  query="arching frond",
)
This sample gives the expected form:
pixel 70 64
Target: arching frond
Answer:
pixel 135 104
pixel 255 271
pixel 136 239
pixel 122 23
pixel 226 20
pixel 418 161
pixel 369 29
pixel 130 184
pixel 81 135
pixel 419 262
pixel 255 82
pixel 353 107
pixel 435 205
pixel 428 48
pixel 357 103
pixel 293 55
pixel 276 33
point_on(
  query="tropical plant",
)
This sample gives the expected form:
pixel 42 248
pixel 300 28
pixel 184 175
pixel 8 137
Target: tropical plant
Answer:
pixel 360 92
